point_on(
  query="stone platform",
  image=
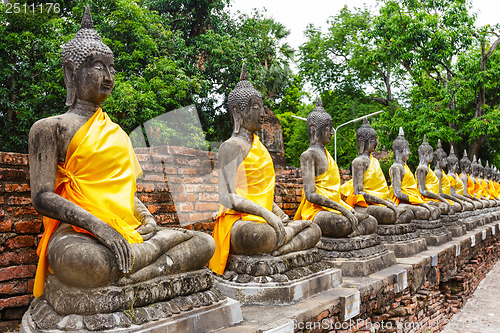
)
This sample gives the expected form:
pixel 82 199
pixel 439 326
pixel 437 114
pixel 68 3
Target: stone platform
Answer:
pixel 402 239
pixel 433 231
pixel 357 256
pixel 454 224
pixel 188 298
pixel 285 279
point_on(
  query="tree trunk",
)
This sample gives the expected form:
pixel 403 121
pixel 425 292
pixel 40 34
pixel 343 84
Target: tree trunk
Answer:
pixel 475 147
pixel 12 94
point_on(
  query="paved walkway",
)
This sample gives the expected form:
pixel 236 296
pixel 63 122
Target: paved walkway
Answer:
pixel 481 313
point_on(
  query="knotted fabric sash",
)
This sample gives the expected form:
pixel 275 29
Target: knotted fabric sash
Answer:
pixel 408 187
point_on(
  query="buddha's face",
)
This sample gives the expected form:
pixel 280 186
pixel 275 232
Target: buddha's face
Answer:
pixel 326 132
pixel 443 163
pixel 372 143
pixel 426 156
pixel 94 80
pixel 453 166
pixel 252 117
pixel 466 167
pixel 405 154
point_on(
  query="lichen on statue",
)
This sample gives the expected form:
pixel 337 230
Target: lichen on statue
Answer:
pixel 404 189
pixel 321 201
pixel 249 221
pixel 428 182
pixel 368 192
pixel 83 174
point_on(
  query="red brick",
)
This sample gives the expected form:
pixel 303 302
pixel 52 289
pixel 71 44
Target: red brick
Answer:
pixel 206 206
pixel 162 208
pixel 28 227
pixel 31 283
pixel 20 242
pixel 195 217
pixel 209 197
pixel 187 171
pixel 27 256
pixel 17 188
pixel 170 171
pixel 2 213
pixel 13 288
pixel 193 180
pixel 6 326
pixel 17 272
pixel 13 158
pixel 22 211
pixel 14 313
pixel 6 226
pixel 145 187
pixel 13 174
pixel 186 207
pixel 154 178
pixel 18 201
pixel 14 302
pixel 2 200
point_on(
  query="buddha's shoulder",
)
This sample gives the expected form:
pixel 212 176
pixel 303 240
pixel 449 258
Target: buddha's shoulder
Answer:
pixel 62 122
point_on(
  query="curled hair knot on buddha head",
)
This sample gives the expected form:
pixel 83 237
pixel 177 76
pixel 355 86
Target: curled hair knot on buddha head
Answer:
pixel 452 158
pixel 439 154
pixel 238 99
pixel 86 42
pixel 364 134
pixel 317 119
pixel 400 143
pixel 425 147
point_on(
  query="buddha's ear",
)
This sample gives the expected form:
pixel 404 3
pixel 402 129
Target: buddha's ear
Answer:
pixel 361 146
pixel 69 81
pixel 237 119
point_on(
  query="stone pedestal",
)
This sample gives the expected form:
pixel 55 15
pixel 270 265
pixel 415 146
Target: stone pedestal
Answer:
pixel 184 299
pixel 468 219
pixel 454 224
pixel 286 279
pixel 357 256
pixel 402 239
pixel 433 231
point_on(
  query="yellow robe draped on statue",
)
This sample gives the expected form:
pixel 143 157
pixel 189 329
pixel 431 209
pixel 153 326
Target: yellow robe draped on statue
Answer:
pixel 255 179
pixel 408 187
pixel 431 184
pixel 484 186
pixel 98 175
pixel 492 190
pixel 374 183
pixel 470 185
pixel 328 185
pixel 446 186
pixel 457 183
pixel 478 188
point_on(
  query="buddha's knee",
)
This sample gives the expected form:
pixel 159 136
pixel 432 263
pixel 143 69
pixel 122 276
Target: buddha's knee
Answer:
pixel 435 212
pixel 333 225
pixel 383 215
pixel 405 215
pixel 369 225
pixel 81 262
pixel 422 214
pixel 252 238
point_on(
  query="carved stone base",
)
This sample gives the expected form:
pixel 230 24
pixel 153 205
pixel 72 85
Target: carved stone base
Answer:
pixel 66 308
pixel 402 239
pixel 224 313
pixel 454 224
pixel 357 256
pixel 286 279
pixel 433 231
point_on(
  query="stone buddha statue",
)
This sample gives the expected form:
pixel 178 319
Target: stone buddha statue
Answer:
pixel 321 201
pixel 249 221
pixel 478 186
pixel 469 185
pixel 405 191
pixel 484 184
pixel 441 162
pixel 492 190
pixel 83 174
pixel 457 186
pixel 368 192
pixel 428 182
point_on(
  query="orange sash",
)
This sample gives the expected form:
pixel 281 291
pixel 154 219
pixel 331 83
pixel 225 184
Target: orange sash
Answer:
pixel 408 187
pixel 431 184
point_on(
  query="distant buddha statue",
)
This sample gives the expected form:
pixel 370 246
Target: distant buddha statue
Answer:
pixel 83 174
pixel 457 185
pixel 492 189
pixel 249 221
pixel 478 186
pixel 321 201
pixel 469 185
pixel 484 184
pixel 441 162
pixel 405 191
pixel 428 182
pixel 368 192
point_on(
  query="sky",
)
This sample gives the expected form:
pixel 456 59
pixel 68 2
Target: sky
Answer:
pixel 297 14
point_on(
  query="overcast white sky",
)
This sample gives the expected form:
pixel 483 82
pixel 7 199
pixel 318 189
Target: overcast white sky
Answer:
pixel 297 14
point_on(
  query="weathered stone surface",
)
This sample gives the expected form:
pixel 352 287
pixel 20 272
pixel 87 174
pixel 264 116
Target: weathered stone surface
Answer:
pixel 349 244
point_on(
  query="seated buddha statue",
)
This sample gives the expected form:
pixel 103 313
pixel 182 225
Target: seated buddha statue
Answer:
pixel 484 184
pixel 492 189
pixel 478 186
pixel 404 187
pixel 457 186
pixel 469 185
pixel 83 174
pixel 428 182
pixel 321 201
pixel 441 162
pixel 249 221
pixel 368 192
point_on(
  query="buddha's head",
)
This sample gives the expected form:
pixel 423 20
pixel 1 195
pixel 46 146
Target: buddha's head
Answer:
pixel 366 137
pixel 88 65
pixel 425 151
pixel 465 164
pixel 452 161
pixel 481 168
pixel 488 171
pixel 245 104
pixel 401 147
pixel 319 124
pixel 475 167
pixel 440 155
